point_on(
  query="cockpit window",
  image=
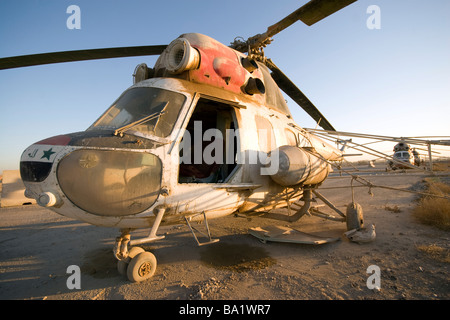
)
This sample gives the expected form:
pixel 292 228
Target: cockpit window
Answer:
pixel 138 103
pixel 402 155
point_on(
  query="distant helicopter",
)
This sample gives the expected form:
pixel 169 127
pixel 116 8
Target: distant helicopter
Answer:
pixel 404 157
pixel 407 157
pixel 203 134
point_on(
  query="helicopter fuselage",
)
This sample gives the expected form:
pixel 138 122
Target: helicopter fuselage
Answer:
pixel 214 139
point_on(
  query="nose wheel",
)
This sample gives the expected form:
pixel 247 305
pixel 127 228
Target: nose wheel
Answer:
pixel 138 266
pixel 136 263
pixel 141 267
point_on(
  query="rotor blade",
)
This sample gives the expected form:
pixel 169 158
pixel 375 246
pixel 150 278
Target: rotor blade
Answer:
pixel 285 84
pixel 408 140
pixel 427 150
pixel 78 55
pixel 310 13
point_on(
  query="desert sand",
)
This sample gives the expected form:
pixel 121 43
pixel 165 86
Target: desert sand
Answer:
pixel 37 246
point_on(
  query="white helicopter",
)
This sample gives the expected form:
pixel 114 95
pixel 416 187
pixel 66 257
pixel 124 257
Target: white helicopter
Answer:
pixel 203 134
pixel 405 156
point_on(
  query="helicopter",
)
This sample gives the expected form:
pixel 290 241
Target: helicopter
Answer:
pixel 204 134
pixel 407 156
pixel 404 155
pixel 406 150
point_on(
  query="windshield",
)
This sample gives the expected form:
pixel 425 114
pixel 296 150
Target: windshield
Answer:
pixel 138 103
pixel 402 155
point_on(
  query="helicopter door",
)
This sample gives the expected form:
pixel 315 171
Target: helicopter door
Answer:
pixel 209 146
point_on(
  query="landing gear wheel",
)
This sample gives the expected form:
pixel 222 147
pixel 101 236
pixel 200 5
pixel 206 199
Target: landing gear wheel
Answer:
pixel 122 265
pixel 355 219
pixel 141 267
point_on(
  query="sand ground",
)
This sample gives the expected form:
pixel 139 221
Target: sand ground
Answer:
pixel 37 246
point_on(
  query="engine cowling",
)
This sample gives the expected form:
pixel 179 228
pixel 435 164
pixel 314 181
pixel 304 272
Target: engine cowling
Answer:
pixel 298 166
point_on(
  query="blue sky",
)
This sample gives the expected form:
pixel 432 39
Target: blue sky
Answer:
pixel 392 81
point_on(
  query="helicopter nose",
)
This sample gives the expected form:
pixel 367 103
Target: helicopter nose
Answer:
pixel 36 165
pixel 110 182
pixel 101 181
pixel 37 160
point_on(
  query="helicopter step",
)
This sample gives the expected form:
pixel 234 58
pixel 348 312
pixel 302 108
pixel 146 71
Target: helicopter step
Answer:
pixel 193 229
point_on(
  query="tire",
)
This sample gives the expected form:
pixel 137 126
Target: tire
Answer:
pixel 141 267
pixel 354 216
pixel 122 265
